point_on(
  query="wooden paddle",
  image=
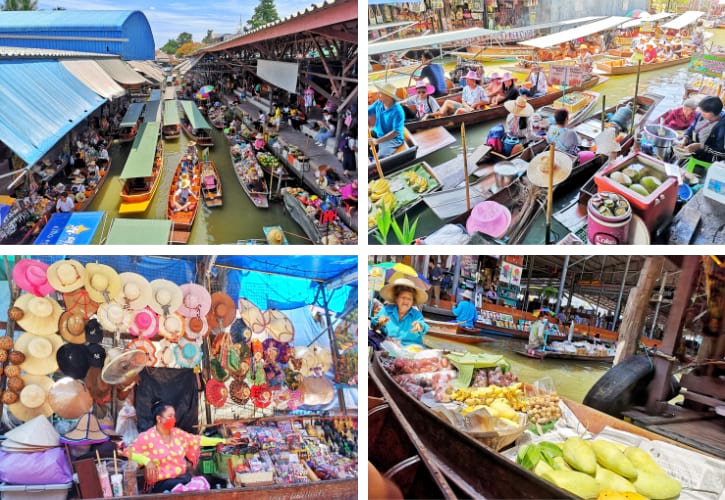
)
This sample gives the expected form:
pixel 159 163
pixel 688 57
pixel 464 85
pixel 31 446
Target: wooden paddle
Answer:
pixel 550 194
pixel 375 156
pixel 465 166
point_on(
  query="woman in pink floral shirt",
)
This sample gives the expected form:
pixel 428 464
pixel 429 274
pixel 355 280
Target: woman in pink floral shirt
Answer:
pixel 164 450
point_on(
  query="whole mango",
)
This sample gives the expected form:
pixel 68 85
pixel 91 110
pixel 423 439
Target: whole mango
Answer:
pixel 542 468
pixel 560 464
pixel 642 460
pixel 578 453
pixel 657 486
pixel 609 456
pixel 612 480
pixel 578 483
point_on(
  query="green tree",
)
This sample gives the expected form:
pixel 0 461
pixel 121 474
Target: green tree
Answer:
pixel 171 47
pixel 209 36
pixel 20 5
pixel 184 38
pixel 264 13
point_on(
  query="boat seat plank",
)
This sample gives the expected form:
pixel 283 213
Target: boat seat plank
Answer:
pixel 431 140
pixel 451 173
pixel 180 237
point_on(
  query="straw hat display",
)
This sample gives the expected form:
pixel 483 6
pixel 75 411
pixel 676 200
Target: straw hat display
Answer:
pixel 73 360
pixel 196 301
pixel 122 366
pixel 196 329
pixel 519 107
pixel 70 398
pixel 144 323
pixel 102 282
pixel 135 291
pixel 147 347
pixel 87 431
pixel 252 316
pixel 40 352
pixel 33 398
pixel 387 291
pixel 40 314
pixel 73 328
pixel 222 312
pixel 35 434
pixel 188 354
pixel 317 391
pixel 171 327
pixel 166 296
pixel 112 317
pixel 80 302
pixel 165 354
pixel 31 276
pixel 279 327
pixel 314 357
pixel 538 169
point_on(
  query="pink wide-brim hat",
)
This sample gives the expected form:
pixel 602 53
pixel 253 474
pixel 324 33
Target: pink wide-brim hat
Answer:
pixel 472 75
pixel 32 276
pixel 196 301
pixel 489 217
pixel 145 323
pixel 429 89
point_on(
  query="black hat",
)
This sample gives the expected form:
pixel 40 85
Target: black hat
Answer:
pixel 94 332
pixel 97 355
pixel 73 360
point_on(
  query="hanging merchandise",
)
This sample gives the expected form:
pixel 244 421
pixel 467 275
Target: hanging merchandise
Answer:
pixel 31 276
pixel 144 323
pixel 166 297
pixel 102 282
pixel 79 302
pixel 171 327
pixel 222 312
pixel 69 398
pixel 135 291
pixel 38 353
pixel 73 328
pixel 66 275
pixel 196 301
pixel 196 329
pixel 32 397
pixel 371 15
pixel 40 314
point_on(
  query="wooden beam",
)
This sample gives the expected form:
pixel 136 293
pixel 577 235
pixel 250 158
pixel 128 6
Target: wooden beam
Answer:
pixel 335 88
pixel 336 34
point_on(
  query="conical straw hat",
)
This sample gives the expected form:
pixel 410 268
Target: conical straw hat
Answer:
pixel 36 432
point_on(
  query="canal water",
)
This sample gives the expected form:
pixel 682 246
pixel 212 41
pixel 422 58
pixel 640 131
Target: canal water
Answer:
pixel 571 379
pixel 668 82
pixel 238 219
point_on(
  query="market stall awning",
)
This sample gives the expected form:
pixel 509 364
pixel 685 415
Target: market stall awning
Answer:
pixel 40 102
pixel 543 26
pixel 171 113
pixel 155 95
pixel 132 113
pixel 152 113
pixel 315 268
pixel 685 19
pixel 427 40
pixel 139 232
pixel 185 66
pixel 148 70
pixel 169 93
pixel 140 160
pixel 649 19
pixel 93 76
pixel 194 115
pixel 375 27
pixel 75 228
pixel 121 72
pixel 574 33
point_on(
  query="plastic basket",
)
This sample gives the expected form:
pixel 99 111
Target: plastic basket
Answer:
pixel 692 163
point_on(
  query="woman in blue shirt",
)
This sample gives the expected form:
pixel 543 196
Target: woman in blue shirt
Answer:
pixel 465 312
pixel 400 319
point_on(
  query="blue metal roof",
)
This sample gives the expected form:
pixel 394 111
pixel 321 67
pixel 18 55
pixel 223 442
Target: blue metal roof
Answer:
pixel 41 102
pixel 124 33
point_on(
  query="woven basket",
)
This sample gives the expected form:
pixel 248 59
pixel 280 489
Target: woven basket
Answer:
pixel 501 439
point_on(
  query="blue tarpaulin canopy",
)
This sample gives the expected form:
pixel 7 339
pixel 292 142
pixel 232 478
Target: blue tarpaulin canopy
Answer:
pixel 75 228
pixel 41 102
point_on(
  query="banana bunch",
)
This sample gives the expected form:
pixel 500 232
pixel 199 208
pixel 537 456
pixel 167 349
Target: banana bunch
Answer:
pixel 479 396
pixel 417 183
pixel 377 189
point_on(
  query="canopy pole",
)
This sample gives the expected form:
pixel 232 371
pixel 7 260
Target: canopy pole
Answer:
pixel 333 348
pixel 530 264
pixel 465 167
pixel 634 101
pixel 621 294
pixel 562 284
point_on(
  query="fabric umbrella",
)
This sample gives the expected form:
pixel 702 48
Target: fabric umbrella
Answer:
pixel 637 14
pixel 395 270
pixel 205 92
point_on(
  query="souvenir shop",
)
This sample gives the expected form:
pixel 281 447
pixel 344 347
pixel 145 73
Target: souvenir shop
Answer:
pixel 437 16
pixel 127 375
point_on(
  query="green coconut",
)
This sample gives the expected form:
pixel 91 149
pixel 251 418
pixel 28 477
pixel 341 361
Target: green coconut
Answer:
pixel 639 189
pixel 621 178
pixel 650 183
pixel 635 171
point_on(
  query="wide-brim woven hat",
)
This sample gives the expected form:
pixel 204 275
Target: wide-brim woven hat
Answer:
pixel 40 314
pixel 147 347
pixel 37 432
pixel 87 431
pixel 70 398
pixel 33 398
pixel 102 282
pixel 251 315
pixel 144 323
pixel 388 89
pixel 39 351
pixel 279 326
pixel 196 301
pixel 31 276
pixel 135 291
pixel 166 296
pixel 188 354
pixel 196 329
pixel 73 328
pixel 519 107
pixel 113 317
pixel 171 327
pixel 387 292
pixel 222 312
pixel 538 169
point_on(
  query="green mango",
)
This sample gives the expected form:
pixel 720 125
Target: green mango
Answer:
pixel 560 464
pixel 578 453
pixel 612 480
pixel 542 468
pixel 639 189
pixel 609 456
pixel 578 483
pixel 642 460
pixel 656 486
pixel 650 183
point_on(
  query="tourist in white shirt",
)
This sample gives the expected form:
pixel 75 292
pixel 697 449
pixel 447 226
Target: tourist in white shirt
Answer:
pixel 422 103
pixel 538 82
pixel 473 98
pixel 64 204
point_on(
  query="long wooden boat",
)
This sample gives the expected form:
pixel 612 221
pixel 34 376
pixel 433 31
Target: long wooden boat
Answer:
pixel 211 185
pixel 333 489
pixel 129 123
pixel 172 126
pixel 612 65
pixel 418 146
pixel 456 332
pixel 184 220
pixel 452 451
pixel 318 234
pixel 142 172
pixel 492 113
pixel 80 206
pixel 539 354
pixel 216 118
pixel 195 126
pixel 404 155
pixel 241 169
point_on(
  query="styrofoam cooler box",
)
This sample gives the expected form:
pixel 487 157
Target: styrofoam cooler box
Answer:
pixel 655 209
pixel 34 491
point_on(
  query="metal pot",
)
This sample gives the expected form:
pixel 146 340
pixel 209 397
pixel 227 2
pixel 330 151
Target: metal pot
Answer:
pixel 505 173
pixel 662 139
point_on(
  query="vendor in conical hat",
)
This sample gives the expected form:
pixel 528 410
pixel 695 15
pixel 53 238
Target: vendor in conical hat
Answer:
pixel 399 319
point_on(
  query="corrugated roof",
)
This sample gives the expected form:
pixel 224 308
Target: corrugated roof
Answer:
pixel 152 113
pixel 581 31
pixel 41 102
pixel 132 113
pixel 29 52
pixel 140 161
pixel 194 115
pixel 90 73
pixel 149 70
pixel 121 72
pixel 685 19
pixel 85 20
pixel 171 113
pixel 170 93
pixel 139 232
pixel 428 40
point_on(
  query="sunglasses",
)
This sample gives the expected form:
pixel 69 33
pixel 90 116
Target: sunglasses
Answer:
pixel 422 91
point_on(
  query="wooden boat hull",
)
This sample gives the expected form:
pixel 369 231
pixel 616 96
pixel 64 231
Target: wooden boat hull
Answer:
pixel 539 354
pixel 420 145
pixel 211 198
pixel 183 221
pixel 135 203
pixel 335 489
pixel 201 140
pixel 485 115
pixel 258 199
pixel 606 68
pixel 464 338
pixel 171 131
pixel 126 136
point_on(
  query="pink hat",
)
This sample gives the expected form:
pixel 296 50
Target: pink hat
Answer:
pixel 31 276
pixel 489 217
pixel 507 76
pixel 472 75
pixel 145 323
pixel 495 76
pixel 422 84
pixel 196 302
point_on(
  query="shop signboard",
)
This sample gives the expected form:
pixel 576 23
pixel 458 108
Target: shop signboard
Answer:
pixel 566 75
pixel 707 65
pixel 511 274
